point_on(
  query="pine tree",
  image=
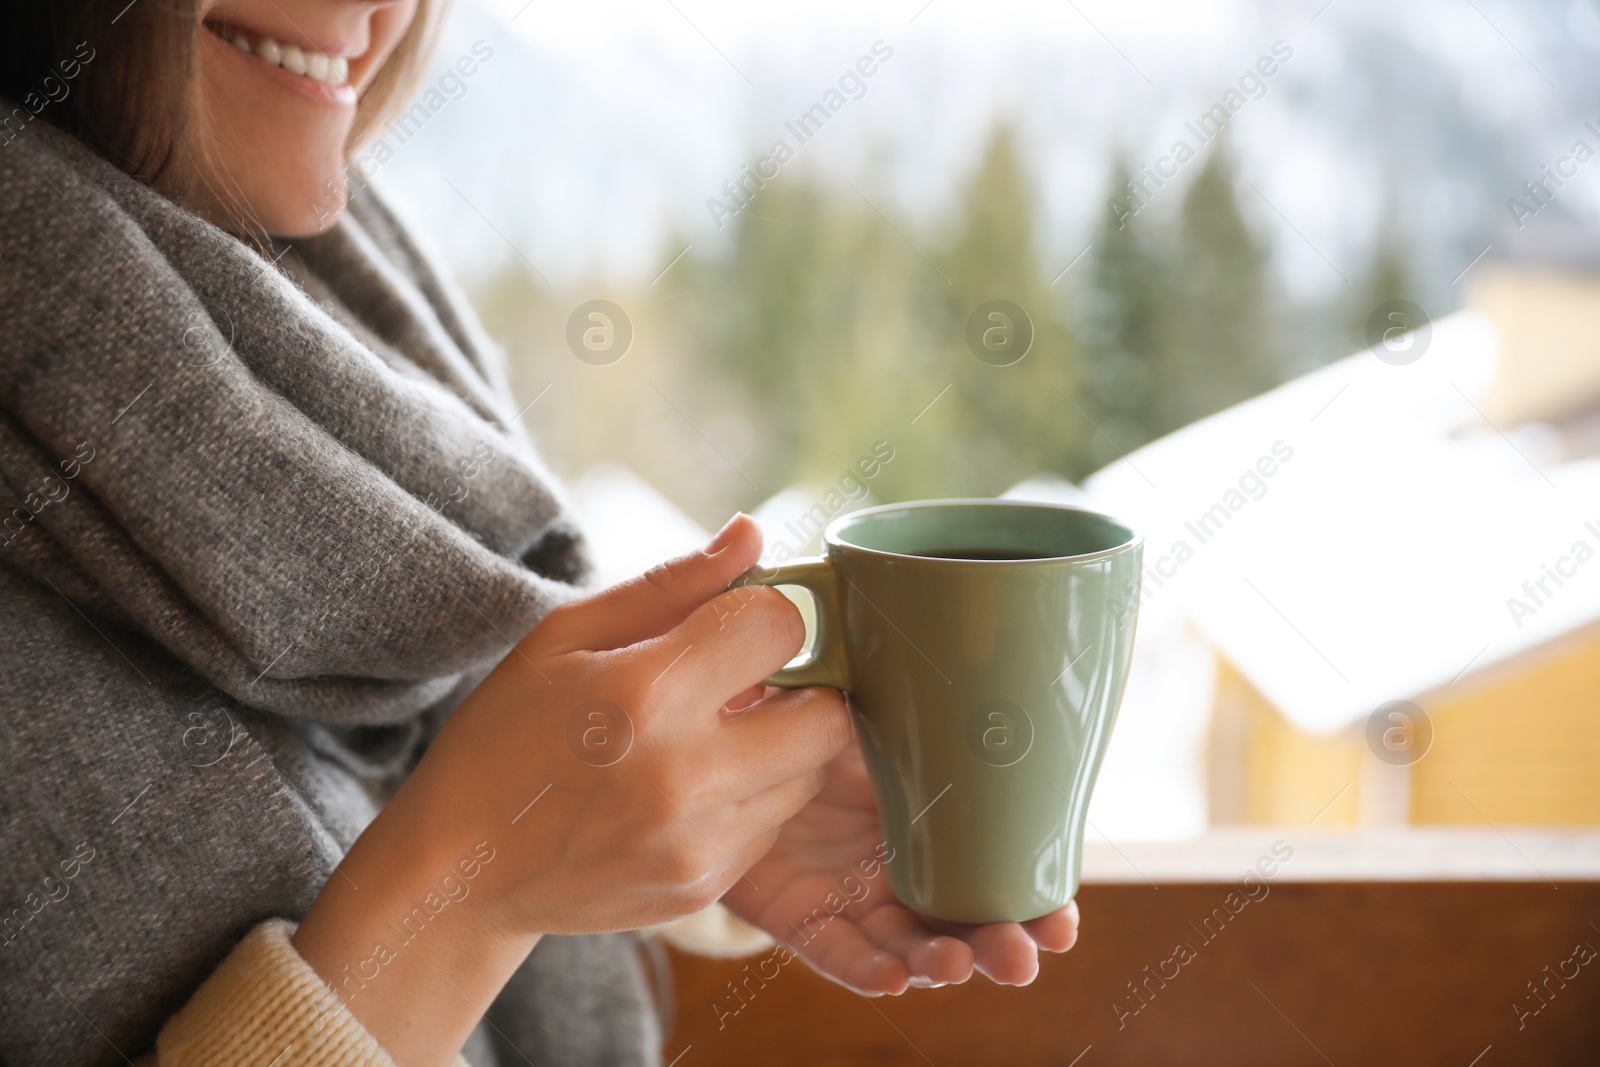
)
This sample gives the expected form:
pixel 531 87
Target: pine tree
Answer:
pixel 840 328
pixel 1388 278
pixel 1221 340
pixel 1017 420
pixel 1123 328
pixel 810 317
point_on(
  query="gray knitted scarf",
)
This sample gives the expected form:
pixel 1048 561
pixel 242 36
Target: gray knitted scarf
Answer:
pixel 262 525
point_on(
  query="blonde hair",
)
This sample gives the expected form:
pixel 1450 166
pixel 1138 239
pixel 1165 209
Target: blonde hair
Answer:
pixel 397 80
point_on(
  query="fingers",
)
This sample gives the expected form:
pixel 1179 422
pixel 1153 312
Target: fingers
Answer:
pixel 892 949
pixel 770 808
pixel 1002 952
pixel 936 954
pixel 791 733
pixel 932 959
pixel 743 700
pixel 1056 932
pixel 844 954
pixel 727 644
pixel 661 598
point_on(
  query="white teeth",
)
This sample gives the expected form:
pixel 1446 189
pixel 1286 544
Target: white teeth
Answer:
pixel 318 66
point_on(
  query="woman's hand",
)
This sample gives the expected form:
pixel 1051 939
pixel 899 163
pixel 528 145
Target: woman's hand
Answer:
pixel 875 944
pixel 592 782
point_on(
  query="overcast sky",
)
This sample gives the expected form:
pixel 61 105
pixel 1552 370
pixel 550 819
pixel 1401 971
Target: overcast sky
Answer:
pixel 595 136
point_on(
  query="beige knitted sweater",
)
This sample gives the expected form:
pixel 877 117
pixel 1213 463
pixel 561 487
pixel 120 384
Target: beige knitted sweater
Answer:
pixel 265 1007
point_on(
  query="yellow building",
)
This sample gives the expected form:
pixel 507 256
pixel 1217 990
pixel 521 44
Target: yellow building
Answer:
pixel 1521 746
pixel 1416 537
pixel 1516 740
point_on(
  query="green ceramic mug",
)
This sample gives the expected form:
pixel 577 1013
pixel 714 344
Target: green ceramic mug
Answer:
pixel 983 646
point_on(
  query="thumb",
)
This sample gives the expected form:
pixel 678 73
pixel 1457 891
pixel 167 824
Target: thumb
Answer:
pixel 662 597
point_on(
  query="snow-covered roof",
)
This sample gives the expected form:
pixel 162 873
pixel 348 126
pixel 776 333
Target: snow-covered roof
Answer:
pixel 1363 533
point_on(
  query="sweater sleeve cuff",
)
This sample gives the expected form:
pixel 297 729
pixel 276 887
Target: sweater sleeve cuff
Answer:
pixel 264 1005
pixel 715 932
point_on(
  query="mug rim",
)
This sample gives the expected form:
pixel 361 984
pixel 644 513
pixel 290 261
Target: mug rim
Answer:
pixel 830 534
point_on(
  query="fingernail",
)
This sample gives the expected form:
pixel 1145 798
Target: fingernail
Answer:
pixel 724 536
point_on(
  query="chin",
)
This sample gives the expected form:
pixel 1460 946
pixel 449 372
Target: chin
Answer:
pixel 276 137
pixel 292 190
pixel 303 203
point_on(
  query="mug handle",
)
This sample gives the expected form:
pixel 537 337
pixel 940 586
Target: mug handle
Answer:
pixel 827 664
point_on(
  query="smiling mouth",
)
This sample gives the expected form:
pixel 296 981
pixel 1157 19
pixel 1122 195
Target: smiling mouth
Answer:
pixel 302 62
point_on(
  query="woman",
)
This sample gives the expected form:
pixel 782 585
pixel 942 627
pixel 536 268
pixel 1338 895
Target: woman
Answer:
pixel 270 522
